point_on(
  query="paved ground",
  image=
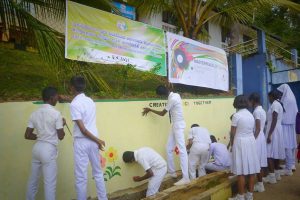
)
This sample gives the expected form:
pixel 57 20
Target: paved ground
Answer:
pixel 287 189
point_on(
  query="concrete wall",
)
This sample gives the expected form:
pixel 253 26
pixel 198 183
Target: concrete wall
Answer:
pixel 120 124
pixel 215 33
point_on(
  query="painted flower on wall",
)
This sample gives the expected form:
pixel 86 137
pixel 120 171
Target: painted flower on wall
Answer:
pixel 112 169
pixel 111 154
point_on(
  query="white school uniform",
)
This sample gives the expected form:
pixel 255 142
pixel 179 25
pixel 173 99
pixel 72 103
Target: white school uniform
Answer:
pixel 199 152
pixel 275 149
pixel 261 143
pixel 244 154
pixel 288 124
pixel 85 150
pixel 46 120
pixel 222 157
pixel 150 159
pixel 174 106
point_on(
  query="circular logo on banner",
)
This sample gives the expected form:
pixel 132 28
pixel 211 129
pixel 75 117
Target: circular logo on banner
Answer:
pixel 122 25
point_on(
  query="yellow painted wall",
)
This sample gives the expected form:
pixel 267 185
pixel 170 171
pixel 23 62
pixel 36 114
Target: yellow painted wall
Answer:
pixel 120 124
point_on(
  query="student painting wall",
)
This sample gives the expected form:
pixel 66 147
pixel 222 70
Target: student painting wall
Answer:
pixel 120 124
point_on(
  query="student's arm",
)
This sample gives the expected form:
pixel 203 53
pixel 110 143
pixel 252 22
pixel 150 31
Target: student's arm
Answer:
pixel 232 134
pixel 89 135
pixel 149 174
pixel 60 123
pixel 29 135
pixel 257 128
pixel 160 113
pixel 273 125
pixel 190 143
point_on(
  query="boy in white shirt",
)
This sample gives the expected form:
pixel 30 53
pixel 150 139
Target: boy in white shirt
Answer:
pixel 198 146
pixel 174 107
pixel 154 165
pixel 48 123
pixel 222 159
pixel 86 141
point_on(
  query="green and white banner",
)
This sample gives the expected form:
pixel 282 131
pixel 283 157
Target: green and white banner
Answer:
pixel 96 36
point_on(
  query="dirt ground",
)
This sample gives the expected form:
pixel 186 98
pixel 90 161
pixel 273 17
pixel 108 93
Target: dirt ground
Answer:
pixel 287 189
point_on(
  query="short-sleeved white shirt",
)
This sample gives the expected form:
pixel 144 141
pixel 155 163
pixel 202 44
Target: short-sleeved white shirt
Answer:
pixel 148 158
pixel 46 120
pixel 260 114
pixel 221 154
pixel 275 107
pixel 83 108
pixel 174 106
pixel 243 120
pixel 199 134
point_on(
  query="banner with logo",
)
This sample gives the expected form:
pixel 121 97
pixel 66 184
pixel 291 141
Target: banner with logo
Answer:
pixel 193 63
pixel 97 36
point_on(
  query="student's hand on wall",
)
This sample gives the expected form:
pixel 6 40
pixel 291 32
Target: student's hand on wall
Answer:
pixel 146 111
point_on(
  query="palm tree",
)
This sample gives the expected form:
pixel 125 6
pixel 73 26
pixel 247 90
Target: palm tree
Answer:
pixel 192 15
pixel 30 18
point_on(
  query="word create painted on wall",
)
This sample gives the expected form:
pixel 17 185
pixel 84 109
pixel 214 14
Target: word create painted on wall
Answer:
pixel 157 105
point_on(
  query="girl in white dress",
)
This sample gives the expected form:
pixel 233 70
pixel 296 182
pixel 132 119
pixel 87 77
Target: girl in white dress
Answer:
pixel 288 126
pixel 259 115
pixel 245 161
pixel 275 140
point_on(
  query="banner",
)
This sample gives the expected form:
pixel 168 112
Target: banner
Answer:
pixel 96 36
pixel 193 63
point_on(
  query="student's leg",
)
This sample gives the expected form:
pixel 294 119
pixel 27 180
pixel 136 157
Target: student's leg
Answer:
pixel 204 156
pixel 241 184
pixel 289 157
pixel 97 171
pixel 194 161
pixel 81 161
pixel 251 180
pixel 178 130
pixel 170 151
pixel 260 175
pixel 276 164
pixel 33 182
pixel 155 181
pixel 49 168
pixel 271 165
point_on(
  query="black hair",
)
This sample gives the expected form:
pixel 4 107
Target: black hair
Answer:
pixel 255 97
pixel 213 139
pixel 240 102
pixel 275 94
pixel 128 156
pixel 162 90
pixel 48 92
pixel 78 82
pixel 195 125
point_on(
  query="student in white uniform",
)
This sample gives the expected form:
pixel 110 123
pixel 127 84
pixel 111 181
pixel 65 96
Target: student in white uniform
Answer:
pixel 275 139
pixel 86 141
pixel 48 123
pixel 198 146
pixel 221 156
pixel 245 161
pixel 288 125
pixel 260 117
pixel 174 107
pixel 154 165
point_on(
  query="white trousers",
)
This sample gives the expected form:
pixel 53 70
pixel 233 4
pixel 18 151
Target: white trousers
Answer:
pixel 198 158
pixel 44 157
pixel 155 181
pixel 85 151
pixel 177 136
pixel 211 166
pixel 290 159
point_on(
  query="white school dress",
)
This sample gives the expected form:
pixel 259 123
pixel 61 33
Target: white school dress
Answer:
pixel 275 149
pixel 244 154
pixel 261 143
